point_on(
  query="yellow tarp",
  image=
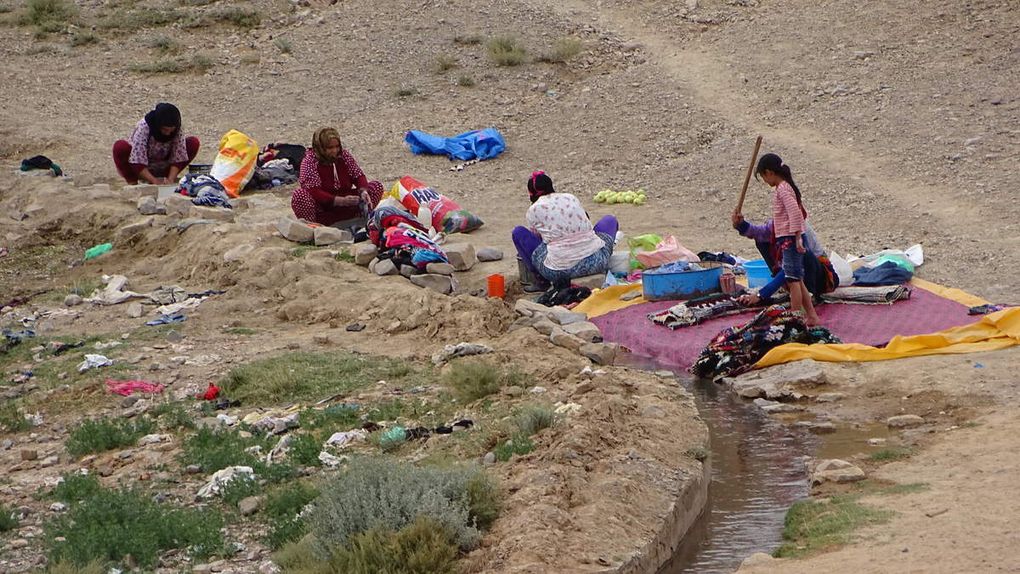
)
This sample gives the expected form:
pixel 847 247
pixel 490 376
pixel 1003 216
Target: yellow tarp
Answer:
pixel 991 333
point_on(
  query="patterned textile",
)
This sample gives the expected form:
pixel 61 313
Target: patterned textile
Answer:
pixel 562 223
pixel 417 243
pixel 688 313
pixel 788 214
pixel 387 216
pixel 735 350
pixel 597 262
pixel 868 295
pixel 145 150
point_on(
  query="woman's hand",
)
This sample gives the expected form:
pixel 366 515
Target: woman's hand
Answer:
pixel 346 201
pixel 749 299
pixel 737 219
pixel 365 198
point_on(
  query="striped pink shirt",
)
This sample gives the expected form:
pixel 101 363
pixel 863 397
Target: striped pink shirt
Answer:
pixel 787 215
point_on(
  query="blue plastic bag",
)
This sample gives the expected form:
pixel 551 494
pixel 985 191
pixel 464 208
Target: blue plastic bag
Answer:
pixel 477 144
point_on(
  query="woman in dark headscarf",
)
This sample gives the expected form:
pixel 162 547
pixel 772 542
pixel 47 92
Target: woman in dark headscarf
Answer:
pixel 157 150
pixel 334 191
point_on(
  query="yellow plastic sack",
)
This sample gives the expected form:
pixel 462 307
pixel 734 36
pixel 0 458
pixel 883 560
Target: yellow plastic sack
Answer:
pixel 236 161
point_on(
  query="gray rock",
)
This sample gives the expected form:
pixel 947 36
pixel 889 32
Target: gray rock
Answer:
pixel 524 322
pixel 29 454
pixel 461 255
pixel 386 267
pixel 7 444
pixel 238 252
pixel 836 470
pixel 780 382
pixel 250 505
pixel 213 213
pixel 72 300
pixel 132 229
pixel 50 461
pixel 486 254
pixel 135 310
pixel 147 206
pixel 438 283
pixel 489 458
pixel 545 326
pixel 514 391
pixel 142 190
pixel 584 330
pixel 408 270
pixel 904 421
pixel 564 317
pixel 17 543
pixel 823 427
pixel 561 338
pixel 193 468
pixel 829 397
pixel 600 353
pixel 773 407
pixel 440 268
pixel 364 253
pixel 529 308
pixel 330 235
pixel 174 337
pixel 178 205
pixel 294 230
pixel 269 567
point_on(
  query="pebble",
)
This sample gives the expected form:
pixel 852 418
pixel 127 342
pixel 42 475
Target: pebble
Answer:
pixel 50 461
pixel 18 543
pixel 7 444
pixel 72 300
pixel 250 505
pixel 489 458
pixel 904 421
pixel 192 469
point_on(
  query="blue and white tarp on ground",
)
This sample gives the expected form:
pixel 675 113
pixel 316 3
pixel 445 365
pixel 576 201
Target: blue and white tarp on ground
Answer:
pixel 477 144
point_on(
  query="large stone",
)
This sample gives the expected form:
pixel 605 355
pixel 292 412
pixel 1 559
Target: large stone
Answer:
pixel 72 300
pixel 294 230
pixel 142 190
pixel 147 206
pixel 545 326
pixel 489 254
pixel 135 310
pixel 836 470
pixel 584 330
pixel 561 338
pixel 250 505
pixel 904 421
pixel 213 213
pixel 331 235
pixel 130 230
pixel 529 308
pixel 461 255
pixel 364 253
pixel 439 283
pixel 386 267
pixel 600 353
pixel 439 268
pixel 238 252
pixel 779 383
pixel 408 270
pixel 773 407
pixel 179 205
pixel 564 317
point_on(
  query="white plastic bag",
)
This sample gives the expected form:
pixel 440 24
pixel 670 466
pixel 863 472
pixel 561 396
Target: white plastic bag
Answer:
pixel 842 269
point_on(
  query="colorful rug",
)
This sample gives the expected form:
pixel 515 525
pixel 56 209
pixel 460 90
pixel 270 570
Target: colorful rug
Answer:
pixel 872 325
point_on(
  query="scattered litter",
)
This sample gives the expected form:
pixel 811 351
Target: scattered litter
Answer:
pixel 226 419
pixel 278 425
pixel 125 388
pixel 342 440
pixel 94 362
pixel 114 293
pixel 461 166
pixel 59 348
pixel 978 366
pixel 332 461
pixel 176 308
pixel 97 250
pixel 460 425
pixel 22 377
pixel 223 477
pixel 154 439
pixel 567 408
pixel 167 320
pixel 41 163
pixel 210 394
pixel 393 436
pixel 13 338
pixel 459 350
pixel 34 419
pixel 281 448
pixel 986 309
pixel 58 507
pixel 168 294
pixel 537 390
pixel 224 403
pixel 478 144
pixel 355 328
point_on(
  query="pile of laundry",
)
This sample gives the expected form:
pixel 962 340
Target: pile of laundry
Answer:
pixel 402 239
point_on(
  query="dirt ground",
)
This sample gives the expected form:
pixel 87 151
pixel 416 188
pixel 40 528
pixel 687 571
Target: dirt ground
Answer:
pixel 900 121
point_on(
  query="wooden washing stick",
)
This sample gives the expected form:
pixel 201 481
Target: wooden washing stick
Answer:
pixel 747 178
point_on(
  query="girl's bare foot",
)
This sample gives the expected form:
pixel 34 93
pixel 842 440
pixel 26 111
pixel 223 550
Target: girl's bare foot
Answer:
pixel 812 321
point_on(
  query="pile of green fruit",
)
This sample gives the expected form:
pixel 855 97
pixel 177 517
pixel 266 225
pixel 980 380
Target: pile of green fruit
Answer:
pixel 609 196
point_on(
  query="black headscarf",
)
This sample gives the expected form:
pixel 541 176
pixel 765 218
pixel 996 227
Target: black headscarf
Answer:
pixel 539 184
pixel 165 115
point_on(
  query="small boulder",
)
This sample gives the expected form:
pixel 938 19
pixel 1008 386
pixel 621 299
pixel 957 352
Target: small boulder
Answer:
pixel 330 235
pixel 584 330
pixel 440 268
pixel 489 458
pixel 461 255
pixel 213 213
pixel 530 308
pixel 294 230
pixel 250 505
pixel 545 326
pixel 142 190
pixel 904 421
pixel 408 270
pixel 486 254
pixel 72 300
pixel 147 206
pixel 130 230
pixel 135 310
pixel 386 267
pixel 561 338
pixel 364 253
pixel 829 397
pixel 439 283
pixel 177 204
pixel 564 317
pixel 836 470
pixel 773 407
pixel 600 353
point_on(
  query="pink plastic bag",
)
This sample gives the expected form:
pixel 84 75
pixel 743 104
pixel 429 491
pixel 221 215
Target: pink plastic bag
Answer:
pixel 667 251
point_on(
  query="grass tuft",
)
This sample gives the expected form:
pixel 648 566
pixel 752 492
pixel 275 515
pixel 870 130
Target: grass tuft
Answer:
pixel 283 507
pixel 406 91
pixel 423 546
pixel 67 567
pixel 519 444
pixel 12 420
pixel 101 435
pixel 75 487
pixel 813 526
pixel 198 64
pixel 283 45
pixel 890 454
pixel 83 39
pixel 466 81
pixel 42 12
pixel 165 45
pixel 8 519
pixel 506 51
pixel 244 18
pixel 698 453
pixel 444 63
pixel 534 418
pixel 467 39
pixel 139 19
pixel 471 380
pixel 563 50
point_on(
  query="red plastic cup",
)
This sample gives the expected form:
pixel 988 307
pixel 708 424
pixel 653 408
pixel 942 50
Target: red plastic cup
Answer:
pixel 497 285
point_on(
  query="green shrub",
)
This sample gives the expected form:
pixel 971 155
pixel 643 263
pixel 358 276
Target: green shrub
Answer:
pixel 505 51
pixel 484 500
pixel 283 45
pixel 890 454
pixel 564 49
pixel 406 91
pixel 334 418
pixel 12 420
pixel 282 509
pixel 423 547
pixel 83 39
pixel 66 567
pixel 76 487
pixel 173 416
pixel 138 19
pixel 466 81
pixel 215 449
pixel 471 380
pixel 381 493
pixel 8 520
pixel 40 12
pixel 165 45
pixel 519 444
pixel 444 63
pixel 112 524
pixel 99 435
pixel 241 17
pixel 198 64
pixel 811 526
pixel 305 449
pixel 534 418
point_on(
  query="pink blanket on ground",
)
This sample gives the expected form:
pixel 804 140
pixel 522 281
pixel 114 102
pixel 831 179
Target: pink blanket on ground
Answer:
pixel 872 325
